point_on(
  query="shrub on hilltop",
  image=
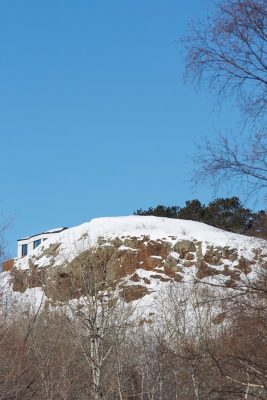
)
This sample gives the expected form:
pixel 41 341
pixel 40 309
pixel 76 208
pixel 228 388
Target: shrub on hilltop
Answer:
pixel 224 213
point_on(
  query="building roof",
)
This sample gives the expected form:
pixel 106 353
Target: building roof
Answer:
pixel 55 230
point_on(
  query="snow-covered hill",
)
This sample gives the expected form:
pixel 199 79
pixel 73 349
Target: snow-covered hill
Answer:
pixel 69 243
pixel 140 257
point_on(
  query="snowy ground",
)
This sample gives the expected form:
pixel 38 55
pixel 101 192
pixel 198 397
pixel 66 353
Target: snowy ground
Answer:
pixel 74 240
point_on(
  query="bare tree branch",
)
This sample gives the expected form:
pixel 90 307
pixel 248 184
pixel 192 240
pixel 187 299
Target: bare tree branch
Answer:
pixel 230 50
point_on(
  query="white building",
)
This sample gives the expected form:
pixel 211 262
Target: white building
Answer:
pixel 27 244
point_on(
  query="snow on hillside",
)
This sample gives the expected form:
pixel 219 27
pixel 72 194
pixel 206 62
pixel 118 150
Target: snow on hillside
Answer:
pixel 63 247
pixel 74 240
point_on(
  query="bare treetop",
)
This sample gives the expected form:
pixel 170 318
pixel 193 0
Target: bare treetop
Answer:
pixel 230 50
pixel 226 162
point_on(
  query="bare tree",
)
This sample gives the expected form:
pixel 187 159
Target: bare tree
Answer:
pixel 240 355
pixel 227 161
pixel 98 321
pixel 3 227
pixel 229 50
pixel 17 373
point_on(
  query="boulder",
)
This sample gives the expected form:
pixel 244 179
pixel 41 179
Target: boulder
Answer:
pixel 183 247
pixel 133 292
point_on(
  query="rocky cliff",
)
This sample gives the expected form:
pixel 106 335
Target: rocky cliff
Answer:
pixel 138 256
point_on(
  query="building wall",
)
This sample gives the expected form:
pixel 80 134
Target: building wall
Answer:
pixel 30 242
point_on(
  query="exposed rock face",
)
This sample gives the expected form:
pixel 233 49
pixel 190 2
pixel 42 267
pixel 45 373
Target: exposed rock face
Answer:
pixel 184 247
pixel 8 265
pixel 133 292
pixel 117 262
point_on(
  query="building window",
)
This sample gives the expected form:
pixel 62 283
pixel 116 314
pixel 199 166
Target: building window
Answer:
pixel 24 250
pixel 36 243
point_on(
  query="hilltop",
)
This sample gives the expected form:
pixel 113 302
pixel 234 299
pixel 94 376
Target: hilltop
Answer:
pixel 138 256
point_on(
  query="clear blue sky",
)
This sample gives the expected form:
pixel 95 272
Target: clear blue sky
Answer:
pixel 95 117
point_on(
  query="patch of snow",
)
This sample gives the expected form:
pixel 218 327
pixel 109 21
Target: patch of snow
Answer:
pixel 138 226
pixel 55 230
pixel 174 255
pixel 122 247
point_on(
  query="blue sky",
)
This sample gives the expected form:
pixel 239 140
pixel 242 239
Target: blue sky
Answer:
pixel 95 117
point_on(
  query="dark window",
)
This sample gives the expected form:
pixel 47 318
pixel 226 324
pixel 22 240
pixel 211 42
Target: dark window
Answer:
pixel 24 250
pixel 36 243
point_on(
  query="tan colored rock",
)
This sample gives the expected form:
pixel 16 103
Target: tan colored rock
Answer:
pixel 218 319
pixel 230 254
pixel 135 277
pixel 171 265
pixel 133 292
pixel 190 256
pixel 188 263
pixel 244 265
pixel 154 262
pixel 146 280
pixel 50 252
pixel 106 266
pixel 19 280
pixel 160 277
pixel 184 247
pixel 205 270
pixel 235 274
pixel 213 255
pixel 178 277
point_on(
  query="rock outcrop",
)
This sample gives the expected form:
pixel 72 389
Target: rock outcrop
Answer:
pixel 131 264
